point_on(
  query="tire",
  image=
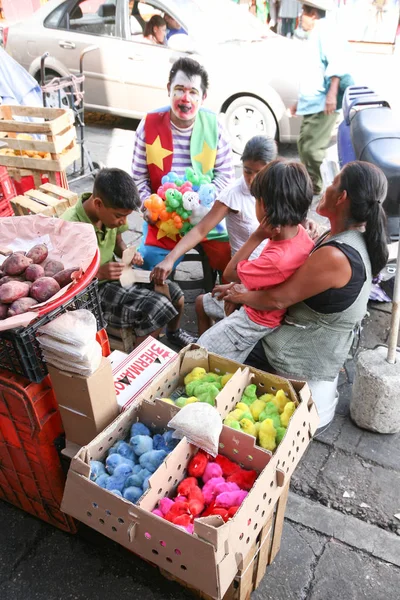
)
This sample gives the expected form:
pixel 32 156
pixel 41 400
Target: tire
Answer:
pixel 246 117
pixel 53 99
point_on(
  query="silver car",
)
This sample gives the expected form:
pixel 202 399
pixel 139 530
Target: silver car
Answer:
pixel 253 72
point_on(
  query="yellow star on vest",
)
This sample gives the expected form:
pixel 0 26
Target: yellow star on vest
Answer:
pixel 156 153
pixel 167 228
pixel 206 158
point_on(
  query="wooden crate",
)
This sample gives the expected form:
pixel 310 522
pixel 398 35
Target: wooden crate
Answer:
pixel 49 200
pixel 58 138
pixel 261 554
pixel 121 339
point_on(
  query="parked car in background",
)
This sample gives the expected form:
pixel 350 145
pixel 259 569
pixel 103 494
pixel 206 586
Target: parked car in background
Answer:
pixel 253 72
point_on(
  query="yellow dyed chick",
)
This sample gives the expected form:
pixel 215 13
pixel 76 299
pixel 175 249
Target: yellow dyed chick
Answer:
pixel 267 435
pixel 196 373
pixel 225 378
pixel 289 409
pixel 168 401
pixel 266 397
pixel 248 426
pixel 241 406
pixel 280 400
pixel 256 408
pixel 235 414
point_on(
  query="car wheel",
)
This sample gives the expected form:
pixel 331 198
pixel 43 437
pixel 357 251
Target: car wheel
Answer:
pixel 246 117
pixel 56 98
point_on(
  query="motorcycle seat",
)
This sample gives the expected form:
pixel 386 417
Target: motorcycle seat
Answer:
pixel 370 125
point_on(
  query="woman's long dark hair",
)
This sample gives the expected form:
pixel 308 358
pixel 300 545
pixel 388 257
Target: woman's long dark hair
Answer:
pixel 155 21
pixel 366 187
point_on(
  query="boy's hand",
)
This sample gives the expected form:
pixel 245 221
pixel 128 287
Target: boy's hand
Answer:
pixel 161 271
pixel 264 231
pixel 137 259
pixel 234 294
pixel 111 271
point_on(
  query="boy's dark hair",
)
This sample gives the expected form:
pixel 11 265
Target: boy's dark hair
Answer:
pixel 285 188
pixel 116 189
pixel 308 10
pixel 191 68
pixel 260 148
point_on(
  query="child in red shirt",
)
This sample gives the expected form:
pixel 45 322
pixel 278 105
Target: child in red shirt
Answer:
pixel 283 192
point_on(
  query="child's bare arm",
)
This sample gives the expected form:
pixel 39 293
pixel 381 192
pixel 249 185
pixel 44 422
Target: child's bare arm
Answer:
pixel 256 238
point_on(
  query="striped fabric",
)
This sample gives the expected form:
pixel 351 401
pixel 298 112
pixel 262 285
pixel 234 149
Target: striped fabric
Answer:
pixel 223 171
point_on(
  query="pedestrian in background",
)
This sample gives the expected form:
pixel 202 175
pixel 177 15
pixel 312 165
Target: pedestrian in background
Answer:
pixel 288 12
pixel 324 62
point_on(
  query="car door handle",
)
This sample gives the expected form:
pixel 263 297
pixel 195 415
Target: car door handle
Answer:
pixel 135 57
pixel 67 45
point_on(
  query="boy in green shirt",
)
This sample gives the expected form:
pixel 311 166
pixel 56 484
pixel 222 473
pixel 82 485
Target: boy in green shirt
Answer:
pixel 114 197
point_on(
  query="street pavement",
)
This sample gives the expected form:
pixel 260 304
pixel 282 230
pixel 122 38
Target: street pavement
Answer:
pixel 341 538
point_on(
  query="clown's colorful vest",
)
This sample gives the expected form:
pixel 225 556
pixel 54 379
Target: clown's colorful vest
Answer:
pixel 159 154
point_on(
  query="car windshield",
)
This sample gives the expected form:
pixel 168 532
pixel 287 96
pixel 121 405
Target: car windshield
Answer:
pixel 220 21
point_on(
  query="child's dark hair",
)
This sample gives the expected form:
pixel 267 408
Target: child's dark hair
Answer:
pixel 260 148
pixel 116 189
pixel 191 68
pixel 366 187
pixel 155 21
pixel 285 189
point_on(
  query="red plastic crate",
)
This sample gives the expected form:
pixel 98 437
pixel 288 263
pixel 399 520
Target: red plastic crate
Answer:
pixel 31 475
pixel 27 182
pixel 7 191
pixel 102 338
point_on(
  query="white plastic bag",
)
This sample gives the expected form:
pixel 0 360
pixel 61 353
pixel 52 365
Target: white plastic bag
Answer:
pixel 65 350
pixel 201 424
pixel 77 327
pixel 83 368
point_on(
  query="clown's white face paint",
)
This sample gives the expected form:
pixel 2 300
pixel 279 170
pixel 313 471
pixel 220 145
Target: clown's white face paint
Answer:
pixel 186 98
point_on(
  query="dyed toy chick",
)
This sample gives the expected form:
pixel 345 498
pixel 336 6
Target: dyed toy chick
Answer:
pixel 256 408
pixel 117 480
pixel 152 460
pixel 269 411
pixel 280 432
pixel 280 400
pixel 141 444
pixel 232 423
pixel 139 429
pixel 203 391
pixel 225 378
pixel 96 469
pixel 182 401
pixel 168 401
pixel 248 426
pixel 132 493
pixel 126 451
pixel 289 409
pixel 249 394
pixel 267 435
pixel 194 375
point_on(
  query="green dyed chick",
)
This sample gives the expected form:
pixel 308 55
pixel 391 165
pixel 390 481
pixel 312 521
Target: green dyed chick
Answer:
pixel 235 414
pixel 232 423
pixel 267 435
pixel 280 432
pixel 248 426
pixel 266 397
pixel 270 410
pixel 289 409
pixel 249 394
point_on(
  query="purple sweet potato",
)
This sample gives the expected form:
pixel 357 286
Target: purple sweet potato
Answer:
pixel 33 272
pixel 21 306
pixel 8 278
pixel 64 277
pixel 43 288
pixel 38 253
pixel 14 290
pixel 3 311
pixel 52 267
pixel 16 264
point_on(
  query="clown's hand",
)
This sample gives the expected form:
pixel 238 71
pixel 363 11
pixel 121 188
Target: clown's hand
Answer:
pixel 161 271
pixel 219 292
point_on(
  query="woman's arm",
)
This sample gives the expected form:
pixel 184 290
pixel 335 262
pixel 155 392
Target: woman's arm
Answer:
pixel 217 213
pixel 324 269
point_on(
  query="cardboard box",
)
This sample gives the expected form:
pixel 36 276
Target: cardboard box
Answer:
pixel 209 559
pixel 134 373
pixel 87 404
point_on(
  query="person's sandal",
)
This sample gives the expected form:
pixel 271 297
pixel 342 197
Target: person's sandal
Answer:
pixel 180 337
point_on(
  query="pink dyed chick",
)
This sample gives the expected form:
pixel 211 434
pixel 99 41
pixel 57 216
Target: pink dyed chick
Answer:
pixel 228 499
pixel 211 471
pixel 208 489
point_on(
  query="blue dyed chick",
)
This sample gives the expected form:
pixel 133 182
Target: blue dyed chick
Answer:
pixel 114 448
pixel 127 451
pixel 96 468
pixel 141 444
pixel 139 429
pixel 114 460
pixel 118 479
pixel 101 480
pixel 132 493
pixel 152 460
pixel 164 441
pixel 137 478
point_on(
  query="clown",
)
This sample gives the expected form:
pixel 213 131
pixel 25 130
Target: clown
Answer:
pixel 172 139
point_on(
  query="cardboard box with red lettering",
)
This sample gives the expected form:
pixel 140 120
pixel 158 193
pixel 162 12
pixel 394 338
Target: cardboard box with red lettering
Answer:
pixel 134 372
pixel 87 404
